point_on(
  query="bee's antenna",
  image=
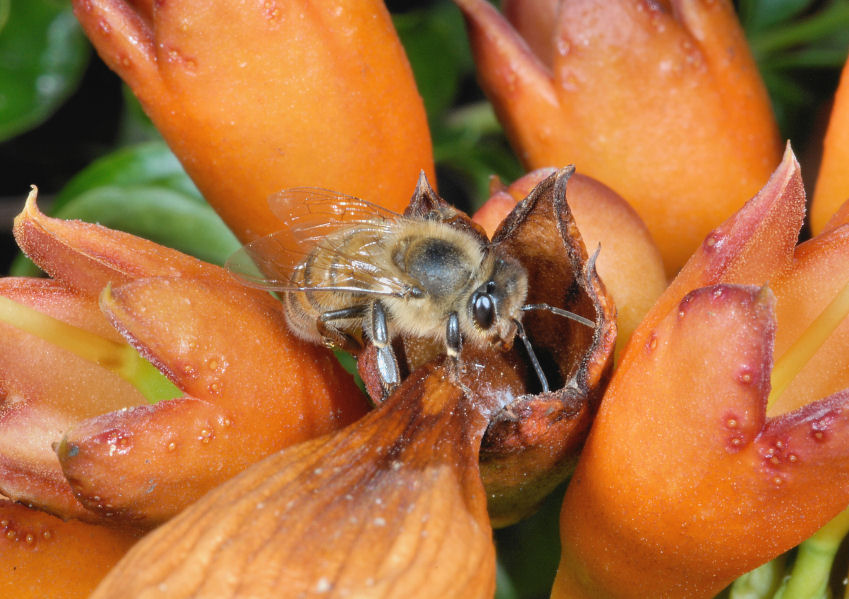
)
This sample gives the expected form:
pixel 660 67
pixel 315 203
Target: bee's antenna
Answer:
pixel 560 312
pixel 520 331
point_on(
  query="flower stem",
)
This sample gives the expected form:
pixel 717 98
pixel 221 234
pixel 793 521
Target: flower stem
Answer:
pixel 795 358
pixel 120 358
pixel 810 574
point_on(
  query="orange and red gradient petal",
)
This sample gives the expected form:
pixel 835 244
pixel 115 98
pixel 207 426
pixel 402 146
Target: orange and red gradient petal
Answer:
pixel 252 389
pixel 260 96
pixel 44 556
pixel 45 389
pixel 697 472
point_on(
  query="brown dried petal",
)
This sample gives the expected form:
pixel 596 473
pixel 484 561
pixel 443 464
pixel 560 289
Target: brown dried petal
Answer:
pixel 391 506
pixel 533 439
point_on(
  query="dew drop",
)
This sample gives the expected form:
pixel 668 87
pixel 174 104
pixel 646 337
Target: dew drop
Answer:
pixel 172 446
pixel 47 535
pixel 745 376
pixel 30 539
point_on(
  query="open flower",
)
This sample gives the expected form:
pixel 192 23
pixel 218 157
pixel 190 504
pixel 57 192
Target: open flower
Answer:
pixel 396 503
pixel 691 475
pixel 660 101
pixel 226 348
pixel 261 96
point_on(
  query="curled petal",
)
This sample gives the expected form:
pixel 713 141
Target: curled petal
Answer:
pixel 393 505
pixel 316 94
pixel 44 556
pixel 517 82
pixel 697 470
pixel 817 277
pixel 252 391
pixel 628 262
pixel 536 21
pixel 752 247
pixel 88 257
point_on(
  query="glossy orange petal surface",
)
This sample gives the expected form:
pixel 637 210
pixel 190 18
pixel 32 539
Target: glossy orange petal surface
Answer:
pixel 663 103
pixel 254 98
pixel 43 556
pixel 832 188
pixel 699 487
pixel 250 392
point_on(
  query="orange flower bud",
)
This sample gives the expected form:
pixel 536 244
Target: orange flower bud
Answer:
pixel 260 96
pixel 832 188
pixel 660 101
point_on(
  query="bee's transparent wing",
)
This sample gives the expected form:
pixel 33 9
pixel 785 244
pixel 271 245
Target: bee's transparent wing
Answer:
pixel 310 218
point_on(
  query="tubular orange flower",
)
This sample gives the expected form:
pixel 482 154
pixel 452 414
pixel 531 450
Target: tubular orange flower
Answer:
pixel 226 348
pixel 659 100
pixel 692 475
pixel 258 96
pixel 832 188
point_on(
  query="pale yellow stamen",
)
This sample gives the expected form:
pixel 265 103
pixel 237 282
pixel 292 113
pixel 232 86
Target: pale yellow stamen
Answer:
pixel 794 359
pixel 120 358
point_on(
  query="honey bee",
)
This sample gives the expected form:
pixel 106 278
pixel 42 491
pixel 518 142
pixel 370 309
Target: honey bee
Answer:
pixel 350 271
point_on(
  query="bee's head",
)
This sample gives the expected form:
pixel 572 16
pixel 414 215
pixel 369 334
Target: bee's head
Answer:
pixel 496 304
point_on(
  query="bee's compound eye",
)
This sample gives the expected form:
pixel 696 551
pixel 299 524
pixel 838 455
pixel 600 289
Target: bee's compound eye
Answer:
pixel 483 310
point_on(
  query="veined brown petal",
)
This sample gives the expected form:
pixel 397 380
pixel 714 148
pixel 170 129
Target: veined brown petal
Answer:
pixel 392 506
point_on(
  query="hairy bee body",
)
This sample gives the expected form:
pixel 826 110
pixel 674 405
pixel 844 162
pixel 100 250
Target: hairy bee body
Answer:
pixel 439 268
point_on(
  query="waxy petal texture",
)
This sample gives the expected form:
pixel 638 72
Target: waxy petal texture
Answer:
pixel 43 556
pixel 392 506
pixel 255 97
pixel 250 387
pixel 705 487
pixel 35 410
pixel 660 101
pixel 686 481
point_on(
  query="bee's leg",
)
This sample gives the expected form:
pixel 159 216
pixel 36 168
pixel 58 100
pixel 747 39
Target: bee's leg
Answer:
pixel 334 337
pixel 453 347
pixel 453 339
pixel 387 365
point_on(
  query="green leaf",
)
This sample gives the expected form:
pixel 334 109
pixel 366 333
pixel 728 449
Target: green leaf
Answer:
pixel 143 190
pixel 43 54
pixel 163 215
pixel 439 54
pixel 757 15
pixel 150 163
